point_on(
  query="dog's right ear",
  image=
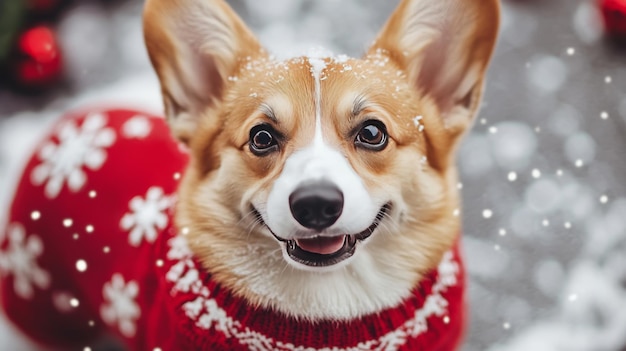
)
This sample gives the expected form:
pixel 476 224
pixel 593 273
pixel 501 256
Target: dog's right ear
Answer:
pixel 194 46
pixel 444 46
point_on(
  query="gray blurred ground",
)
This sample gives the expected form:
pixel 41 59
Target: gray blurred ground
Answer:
pixel 545 158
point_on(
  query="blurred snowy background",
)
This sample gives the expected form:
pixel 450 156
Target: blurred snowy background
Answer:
pixel 542 171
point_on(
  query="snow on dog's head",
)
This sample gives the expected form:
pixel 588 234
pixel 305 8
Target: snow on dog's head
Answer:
pixel 321 186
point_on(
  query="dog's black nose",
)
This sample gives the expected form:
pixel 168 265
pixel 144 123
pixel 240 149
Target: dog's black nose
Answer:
pixel 316 205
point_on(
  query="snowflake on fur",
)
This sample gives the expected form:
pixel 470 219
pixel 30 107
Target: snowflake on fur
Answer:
pixel 78 147
pixel 120 307
pixel 20 260
pixel 148 215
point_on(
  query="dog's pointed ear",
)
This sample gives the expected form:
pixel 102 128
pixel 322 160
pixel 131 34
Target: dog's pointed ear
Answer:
pixel 194 46
pixel 444 46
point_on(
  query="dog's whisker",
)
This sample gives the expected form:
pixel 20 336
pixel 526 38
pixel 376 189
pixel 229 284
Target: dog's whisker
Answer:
pixel 285 267
pixel 246 216
pixel 252 226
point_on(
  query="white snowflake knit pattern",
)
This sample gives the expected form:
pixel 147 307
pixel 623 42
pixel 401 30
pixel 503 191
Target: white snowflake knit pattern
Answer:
pixel 148 215
pixel 20 260
pixel 77 148
pixel 207 314
pixel 120 308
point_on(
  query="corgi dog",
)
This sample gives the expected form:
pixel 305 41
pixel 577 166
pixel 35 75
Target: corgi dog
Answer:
pixel 317 207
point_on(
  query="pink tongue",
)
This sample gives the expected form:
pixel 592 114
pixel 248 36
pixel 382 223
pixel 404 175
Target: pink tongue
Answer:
pixel 322 245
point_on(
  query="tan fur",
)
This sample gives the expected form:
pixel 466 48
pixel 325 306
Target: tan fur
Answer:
pixel 175 29
pixel 413 69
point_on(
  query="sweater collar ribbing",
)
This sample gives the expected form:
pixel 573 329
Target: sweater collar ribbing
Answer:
pixel 213 317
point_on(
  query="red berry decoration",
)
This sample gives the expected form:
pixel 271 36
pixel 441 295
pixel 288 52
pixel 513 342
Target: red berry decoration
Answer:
pixel 39 62
pixel 614 15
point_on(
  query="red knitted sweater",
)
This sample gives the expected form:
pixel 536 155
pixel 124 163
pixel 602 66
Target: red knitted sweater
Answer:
pixel 90 249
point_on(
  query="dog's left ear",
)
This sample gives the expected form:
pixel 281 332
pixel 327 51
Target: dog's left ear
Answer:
pixel 194 46
pixel 444 46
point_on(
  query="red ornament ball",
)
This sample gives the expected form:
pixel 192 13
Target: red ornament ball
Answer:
pixel 614 16
pixel 39 62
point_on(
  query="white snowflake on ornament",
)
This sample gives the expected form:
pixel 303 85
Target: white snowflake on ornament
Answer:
pixel 148 215
pixel 78 147
pixel 20 260
pixel 120 308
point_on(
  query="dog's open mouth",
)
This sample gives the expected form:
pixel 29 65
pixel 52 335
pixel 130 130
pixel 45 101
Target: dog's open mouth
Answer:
pixel 324 251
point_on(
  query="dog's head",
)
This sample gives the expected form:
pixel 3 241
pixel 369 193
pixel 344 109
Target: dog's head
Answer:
pixel 323 187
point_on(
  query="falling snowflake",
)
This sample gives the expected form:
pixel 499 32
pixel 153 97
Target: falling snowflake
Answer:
pixel 120 307
pixel 147 216
pixel 20 260
pixel 137 127
pixel 78 147
pixel 64 301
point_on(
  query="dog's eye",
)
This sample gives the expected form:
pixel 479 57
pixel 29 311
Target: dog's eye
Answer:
pixel 262 140
pixel 372 136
